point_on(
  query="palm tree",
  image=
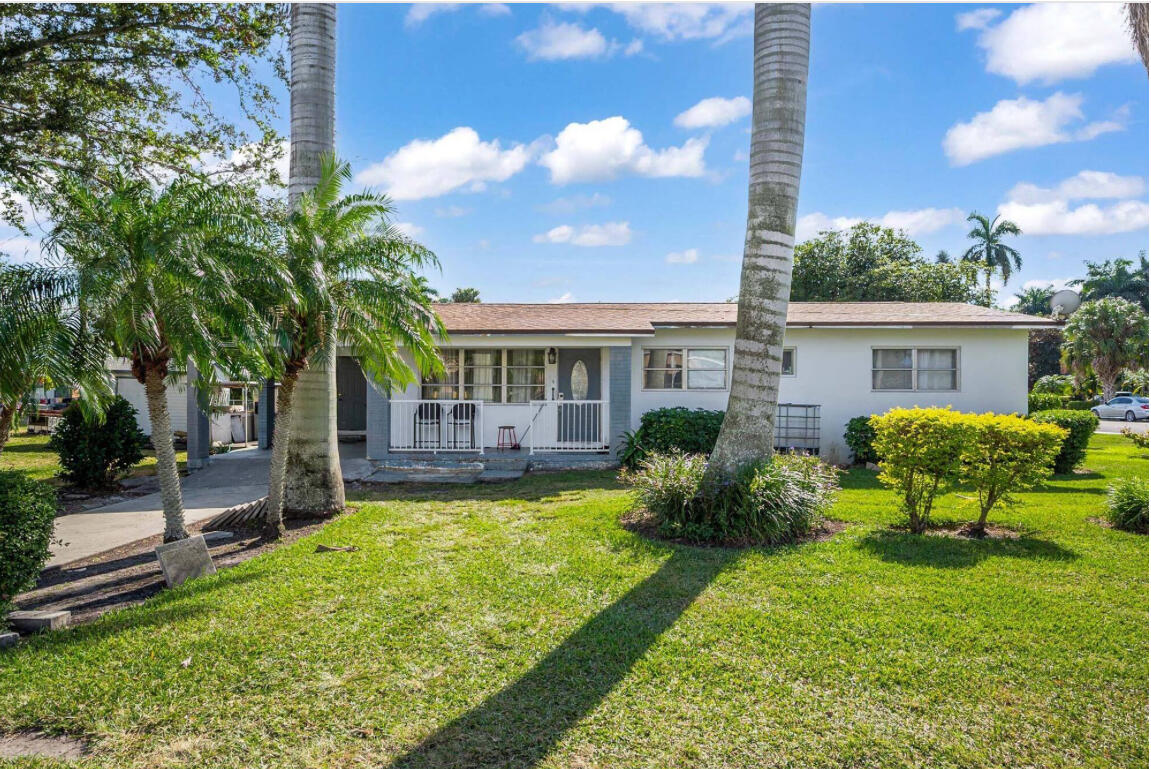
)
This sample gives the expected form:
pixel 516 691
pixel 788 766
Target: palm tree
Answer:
pixel 989 251
pixel 1034 301
pixel 355 282
pixel 942 257
pixel 782 48
pixel 1137 26
pixel 164 278
pixel 1116 278
pixel 1106 336
pixel 462 296
pixel 316 486
pixel 45 340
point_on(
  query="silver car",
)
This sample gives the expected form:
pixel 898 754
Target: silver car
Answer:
pixel 1124 406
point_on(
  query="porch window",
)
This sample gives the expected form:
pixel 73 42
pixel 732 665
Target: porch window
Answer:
pixel 909 368
pixel 663 368
pixel 525 369
pixel 491 375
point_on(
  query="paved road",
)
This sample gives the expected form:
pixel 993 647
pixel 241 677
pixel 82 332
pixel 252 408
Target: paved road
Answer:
pixel 1115 425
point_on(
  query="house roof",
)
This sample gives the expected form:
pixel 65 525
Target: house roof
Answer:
pixel 645 317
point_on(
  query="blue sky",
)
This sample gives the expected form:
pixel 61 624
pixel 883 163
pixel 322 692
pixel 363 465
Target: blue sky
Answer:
pixel 552 153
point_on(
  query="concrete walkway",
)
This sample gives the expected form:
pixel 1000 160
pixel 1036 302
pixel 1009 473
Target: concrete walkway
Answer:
pixel 230 479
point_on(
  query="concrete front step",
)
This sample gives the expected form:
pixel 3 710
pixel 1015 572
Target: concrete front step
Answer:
pixel 500 476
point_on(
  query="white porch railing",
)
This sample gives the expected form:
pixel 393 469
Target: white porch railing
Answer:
pixel 437 425
pixel 568 426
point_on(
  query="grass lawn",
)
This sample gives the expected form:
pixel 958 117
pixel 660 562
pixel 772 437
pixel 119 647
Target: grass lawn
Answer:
pixel 521 626
pixel 31 454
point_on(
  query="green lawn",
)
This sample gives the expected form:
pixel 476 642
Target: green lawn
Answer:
pixel 521 626
pixel 31 454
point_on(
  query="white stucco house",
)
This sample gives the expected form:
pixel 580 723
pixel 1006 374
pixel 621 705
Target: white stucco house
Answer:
pixel 564 381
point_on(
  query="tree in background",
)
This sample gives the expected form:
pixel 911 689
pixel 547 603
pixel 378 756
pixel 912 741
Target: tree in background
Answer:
pixel 92 86
pixel 1115 278
pixel 1034 301
pixel 781 50
pixel 44 339
pixel 164 277
pixel 990 252
pixel 354 280
pixel 1044 354
pixel 462 296
pixel 870 263
pixel 942 257
pixel 1107 336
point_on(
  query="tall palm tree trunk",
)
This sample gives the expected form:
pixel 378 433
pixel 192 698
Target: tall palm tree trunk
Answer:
pixel 166 470
pixel 782 48
pixel 274 512
pixel 316 486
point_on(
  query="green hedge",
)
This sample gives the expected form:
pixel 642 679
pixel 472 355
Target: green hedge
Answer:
pixel 1080 426
pixel 27 515
pixel 1079 405
pixel 1039 401
pixel 671 430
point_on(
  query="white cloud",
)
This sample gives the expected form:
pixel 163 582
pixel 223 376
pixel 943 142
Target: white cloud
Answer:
pixel 634 48
pixel 408 228
pixel 919 222
pixel 1021 123
pixel 427 168
pixel 554 42
pixel 1084 185
pixel 495 9
pixel 1049 42
pixel 573 203
pixel 689 21
pixel 421 12
pixel 1051 210
pixel 589 235
pixel 604 149
pixel 690 256
pixel 566 298
pixel 714 112
pixel 978 19
pixel 1057 284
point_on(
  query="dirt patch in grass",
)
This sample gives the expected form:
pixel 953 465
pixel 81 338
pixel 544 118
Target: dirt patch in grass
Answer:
pixel 644 523
pixel 962 530
pixel 130 574
pixel 40 745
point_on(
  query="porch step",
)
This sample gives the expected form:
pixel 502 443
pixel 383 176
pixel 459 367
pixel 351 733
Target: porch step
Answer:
pixel 427 472
pixel 500 476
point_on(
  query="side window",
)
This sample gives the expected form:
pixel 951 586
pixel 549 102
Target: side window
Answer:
pixel 788 367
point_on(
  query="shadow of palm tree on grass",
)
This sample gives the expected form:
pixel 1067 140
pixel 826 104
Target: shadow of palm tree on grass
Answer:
pixel 946 552
pixel 518 726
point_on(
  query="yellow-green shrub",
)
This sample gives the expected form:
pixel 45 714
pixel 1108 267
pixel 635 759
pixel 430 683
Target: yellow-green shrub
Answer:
pixel 921 452
pixel 1006 454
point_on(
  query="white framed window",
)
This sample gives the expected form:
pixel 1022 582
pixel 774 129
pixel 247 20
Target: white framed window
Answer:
pixel 488 374
pixel 915 369
pixel 787 366
pixel 685 368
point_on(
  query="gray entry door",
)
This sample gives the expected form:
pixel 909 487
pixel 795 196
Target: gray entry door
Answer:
pixel 579 422
pixel 351 396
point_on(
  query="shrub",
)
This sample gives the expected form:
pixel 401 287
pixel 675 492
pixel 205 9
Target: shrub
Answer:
pixel 690 431
pixel 1080 425
pixel 94 453
pixel 1055 384
pixel 859 437
pixel 1044 402
pixel 632 452
pixel 1127 504
pixel 1006 454
pixel 768 503
pixel 1139 439
pixel 1079 405
pixel 27 515
pixel 920 452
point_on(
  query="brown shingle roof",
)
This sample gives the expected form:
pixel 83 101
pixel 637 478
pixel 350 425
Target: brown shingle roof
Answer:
pixel 644 317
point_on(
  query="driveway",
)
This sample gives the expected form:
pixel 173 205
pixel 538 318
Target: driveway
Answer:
pixel 1116 425
pixel 230 479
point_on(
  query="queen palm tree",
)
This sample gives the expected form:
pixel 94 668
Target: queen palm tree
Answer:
pixel 989 251
pixel 1137 26
pixel 316 486
pixel 45 339
pixel 163 277
pixel 782 48
pixel 1034 301
pixel 354 282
